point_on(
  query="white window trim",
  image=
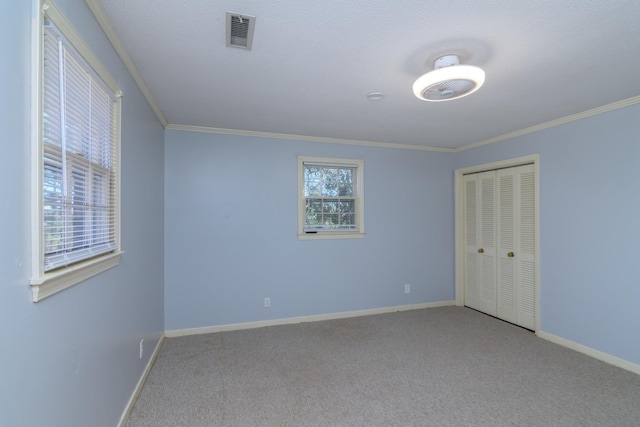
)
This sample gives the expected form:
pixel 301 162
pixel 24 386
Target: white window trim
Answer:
pixel 46 284
pixel 359 200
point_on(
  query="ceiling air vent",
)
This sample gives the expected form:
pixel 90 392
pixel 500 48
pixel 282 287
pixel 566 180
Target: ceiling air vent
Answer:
pixel 240 30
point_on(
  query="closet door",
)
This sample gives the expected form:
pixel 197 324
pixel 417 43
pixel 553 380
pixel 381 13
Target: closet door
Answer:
pixel 507 221
pixel 516 245
pixel 480 233
pixel 525 262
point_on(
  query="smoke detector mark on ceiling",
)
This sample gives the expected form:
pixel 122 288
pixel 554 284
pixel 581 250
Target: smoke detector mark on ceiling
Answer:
pixel 240 30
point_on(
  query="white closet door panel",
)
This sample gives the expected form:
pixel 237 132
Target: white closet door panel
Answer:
pixel 506 290
pixel 487 301
pixel 479 226
pixel 527 212
pixel 472 293
pixel 471 209
pixel 527 295
pixel 506 232
pixel 471 227
pixel 488 242
pixel 506 279
pixel 487 211
pixel 526 268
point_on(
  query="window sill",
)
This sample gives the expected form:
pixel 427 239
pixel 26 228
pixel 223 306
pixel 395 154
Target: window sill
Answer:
pixel 59 280
pixel 329 235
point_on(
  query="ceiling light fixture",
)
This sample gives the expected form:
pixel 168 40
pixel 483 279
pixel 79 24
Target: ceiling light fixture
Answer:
pixel 449 80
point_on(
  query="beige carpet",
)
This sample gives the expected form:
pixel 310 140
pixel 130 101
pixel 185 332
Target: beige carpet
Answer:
pixel 448 366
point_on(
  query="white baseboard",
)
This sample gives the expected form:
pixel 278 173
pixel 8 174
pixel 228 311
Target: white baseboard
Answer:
pixel 292 320
pixel 596 354
pixel 141 381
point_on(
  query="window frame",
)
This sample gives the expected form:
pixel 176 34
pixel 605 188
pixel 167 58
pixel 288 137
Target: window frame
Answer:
pixel 46 283
pixel 358 164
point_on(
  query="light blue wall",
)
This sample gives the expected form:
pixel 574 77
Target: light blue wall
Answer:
pixel 231 232
pixel 225 238
pixel 231 224
pixel 589 227
pixel 72 359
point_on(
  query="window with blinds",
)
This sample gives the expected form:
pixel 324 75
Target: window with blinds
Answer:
pixel 331 197
pixel 79 141
pixel 75 185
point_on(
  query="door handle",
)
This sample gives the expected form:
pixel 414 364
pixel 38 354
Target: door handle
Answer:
pixel 480 251
pixel 510 254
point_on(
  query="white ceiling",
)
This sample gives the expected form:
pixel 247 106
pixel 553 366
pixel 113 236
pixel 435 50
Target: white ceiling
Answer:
pixel 314 62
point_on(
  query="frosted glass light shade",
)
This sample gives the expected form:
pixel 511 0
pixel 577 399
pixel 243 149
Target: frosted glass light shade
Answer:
pixel 445 84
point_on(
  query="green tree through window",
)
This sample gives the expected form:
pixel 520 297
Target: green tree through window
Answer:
pixel 330 193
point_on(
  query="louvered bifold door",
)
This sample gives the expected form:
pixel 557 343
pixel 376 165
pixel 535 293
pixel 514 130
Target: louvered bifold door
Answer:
pixel 480 234
pixel 507 230
pixel 516 246
pixel 526 268
pixel 471 227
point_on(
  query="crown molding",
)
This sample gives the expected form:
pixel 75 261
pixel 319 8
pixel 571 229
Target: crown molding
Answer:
pixel 557 122
pixel 101 16
pixel 306 138
pixel 103 19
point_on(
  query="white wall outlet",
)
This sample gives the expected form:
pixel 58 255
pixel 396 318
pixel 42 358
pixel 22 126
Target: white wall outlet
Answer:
pixel 141 348
pixel 267 302
pixel 407 288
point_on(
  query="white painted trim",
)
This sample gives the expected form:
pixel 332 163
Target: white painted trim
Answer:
pixel 557 122
pixel 103 19
pixel 59 280
pixel 507 163
pixel 359 200
pixel 536 169
pixel 302 319
pixel 143 379
pixel 458 188
pixel 37 237
pixel 204 129
pixel 596 354
pixel 459 221
pixel 118 175
pixel 45 284
pixel 51 10
pixel 330 236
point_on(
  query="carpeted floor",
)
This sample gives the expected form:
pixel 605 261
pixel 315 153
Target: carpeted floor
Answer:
pixel 448 366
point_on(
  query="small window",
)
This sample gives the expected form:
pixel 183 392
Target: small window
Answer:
pixel 76 225
pixel 331 198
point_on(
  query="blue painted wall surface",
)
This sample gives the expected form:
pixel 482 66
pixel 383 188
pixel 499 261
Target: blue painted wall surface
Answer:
pixel 589 227
pixel 220 235
pixel 231 232
pixel 72 359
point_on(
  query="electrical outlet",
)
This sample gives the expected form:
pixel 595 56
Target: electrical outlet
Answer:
pixel 407 288
pixel 141 348
pixel 267 302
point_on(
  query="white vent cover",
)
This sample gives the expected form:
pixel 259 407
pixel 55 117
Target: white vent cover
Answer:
pixel 240 30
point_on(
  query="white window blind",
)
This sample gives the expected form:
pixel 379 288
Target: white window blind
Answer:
pixel 80 132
